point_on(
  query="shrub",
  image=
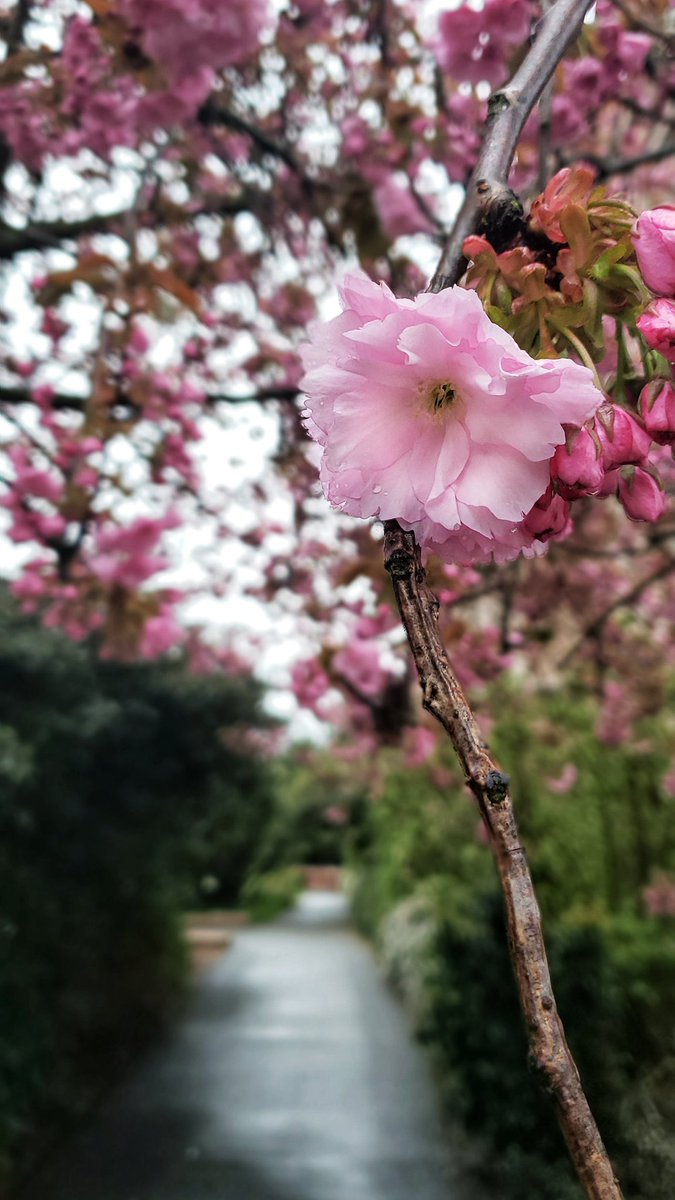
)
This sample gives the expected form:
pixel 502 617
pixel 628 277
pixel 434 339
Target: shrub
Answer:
pixel 117 792
pixel 268 895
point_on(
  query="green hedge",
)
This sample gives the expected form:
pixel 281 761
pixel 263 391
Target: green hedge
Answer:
pixel 268 895
pixel 426 889
pixel 118 792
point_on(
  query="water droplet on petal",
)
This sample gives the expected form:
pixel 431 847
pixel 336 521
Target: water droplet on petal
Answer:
pixel 377 489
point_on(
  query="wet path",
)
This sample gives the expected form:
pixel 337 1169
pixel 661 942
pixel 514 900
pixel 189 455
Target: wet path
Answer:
pixel 293 1077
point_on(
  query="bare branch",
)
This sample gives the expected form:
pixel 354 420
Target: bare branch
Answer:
pixel 619 166
pixel 212 113
pixel 10 394
pixel 14 27
pixel 52 234
pixel 642 22
pixel 594 627
pixel 508 111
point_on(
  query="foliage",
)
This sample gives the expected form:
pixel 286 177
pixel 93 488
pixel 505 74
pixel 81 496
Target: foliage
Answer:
pixel 318 804
pixel 118 792
pixel 596 840
pixel 269 894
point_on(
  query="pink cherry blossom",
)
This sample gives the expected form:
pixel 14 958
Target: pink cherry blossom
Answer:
pixel 309 682
pixel 474 45
pixel 432 415
pixel 161 632
pixel 655 248
pixel 659 897
pixel 126 557
pixel 565 780
pixel 420 745
pixel 360 664
pixel 657 326
pixel 398 209
pixel 185 36
pixel 549 518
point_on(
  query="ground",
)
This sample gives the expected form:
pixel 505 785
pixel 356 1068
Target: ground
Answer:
pixel 292 1077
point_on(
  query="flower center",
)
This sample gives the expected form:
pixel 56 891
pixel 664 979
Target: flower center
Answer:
pixel 442 395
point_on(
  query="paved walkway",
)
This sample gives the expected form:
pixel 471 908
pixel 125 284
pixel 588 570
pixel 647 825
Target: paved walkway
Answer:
pixel 293 1077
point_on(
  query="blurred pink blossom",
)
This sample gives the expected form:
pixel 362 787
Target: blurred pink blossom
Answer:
pixel 659 897
pixel 565 780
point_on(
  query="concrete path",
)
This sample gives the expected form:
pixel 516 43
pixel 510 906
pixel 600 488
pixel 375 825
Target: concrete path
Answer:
pixel 293 1077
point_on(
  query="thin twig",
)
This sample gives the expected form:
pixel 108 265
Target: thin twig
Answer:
pixel 642 22
pixel 619 166
pixel 594 627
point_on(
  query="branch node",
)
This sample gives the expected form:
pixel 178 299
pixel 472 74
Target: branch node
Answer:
pixel 501 213
pixel 400 564
pixel 500 101
pixel 497 786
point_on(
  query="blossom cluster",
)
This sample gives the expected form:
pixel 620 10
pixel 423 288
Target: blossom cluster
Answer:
pixel 83 102
pixel 430 414
pixel 655 245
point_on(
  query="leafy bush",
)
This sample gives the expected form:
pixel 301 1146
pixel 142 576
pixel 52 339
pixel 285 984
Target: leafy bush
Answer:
pixel 317 806
pixel 421 862
pixel 117 792
pixel 268 895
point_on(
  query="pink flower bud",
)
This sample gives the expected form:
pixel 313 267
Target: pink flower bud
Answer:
pixel 610 483
pixel 657 406
pixel 657 326
pixel 548 518
pixel 655 248
pixel 622 439
pixel 641 495
pixel 577 465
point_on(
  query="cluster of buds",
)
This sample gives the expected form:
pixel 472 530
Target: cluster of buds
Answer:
pixel 608 456
pixel 579 261
pixel 655 246
pixel 574 262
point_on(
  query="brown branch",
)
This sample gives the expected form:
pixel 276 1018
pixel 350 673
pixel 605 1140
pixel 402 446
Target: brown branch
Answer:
pixel 10 394
pixel 489 199
pixel 445 700
pixel 619 166
pixel 642 22
pixel 212 113
pixel 508 109
pixel 47 235
pixel 14 26
pixel 595 626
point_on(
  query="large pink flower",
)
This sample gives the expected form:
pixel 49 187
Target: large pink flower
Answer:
pixel 432 415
